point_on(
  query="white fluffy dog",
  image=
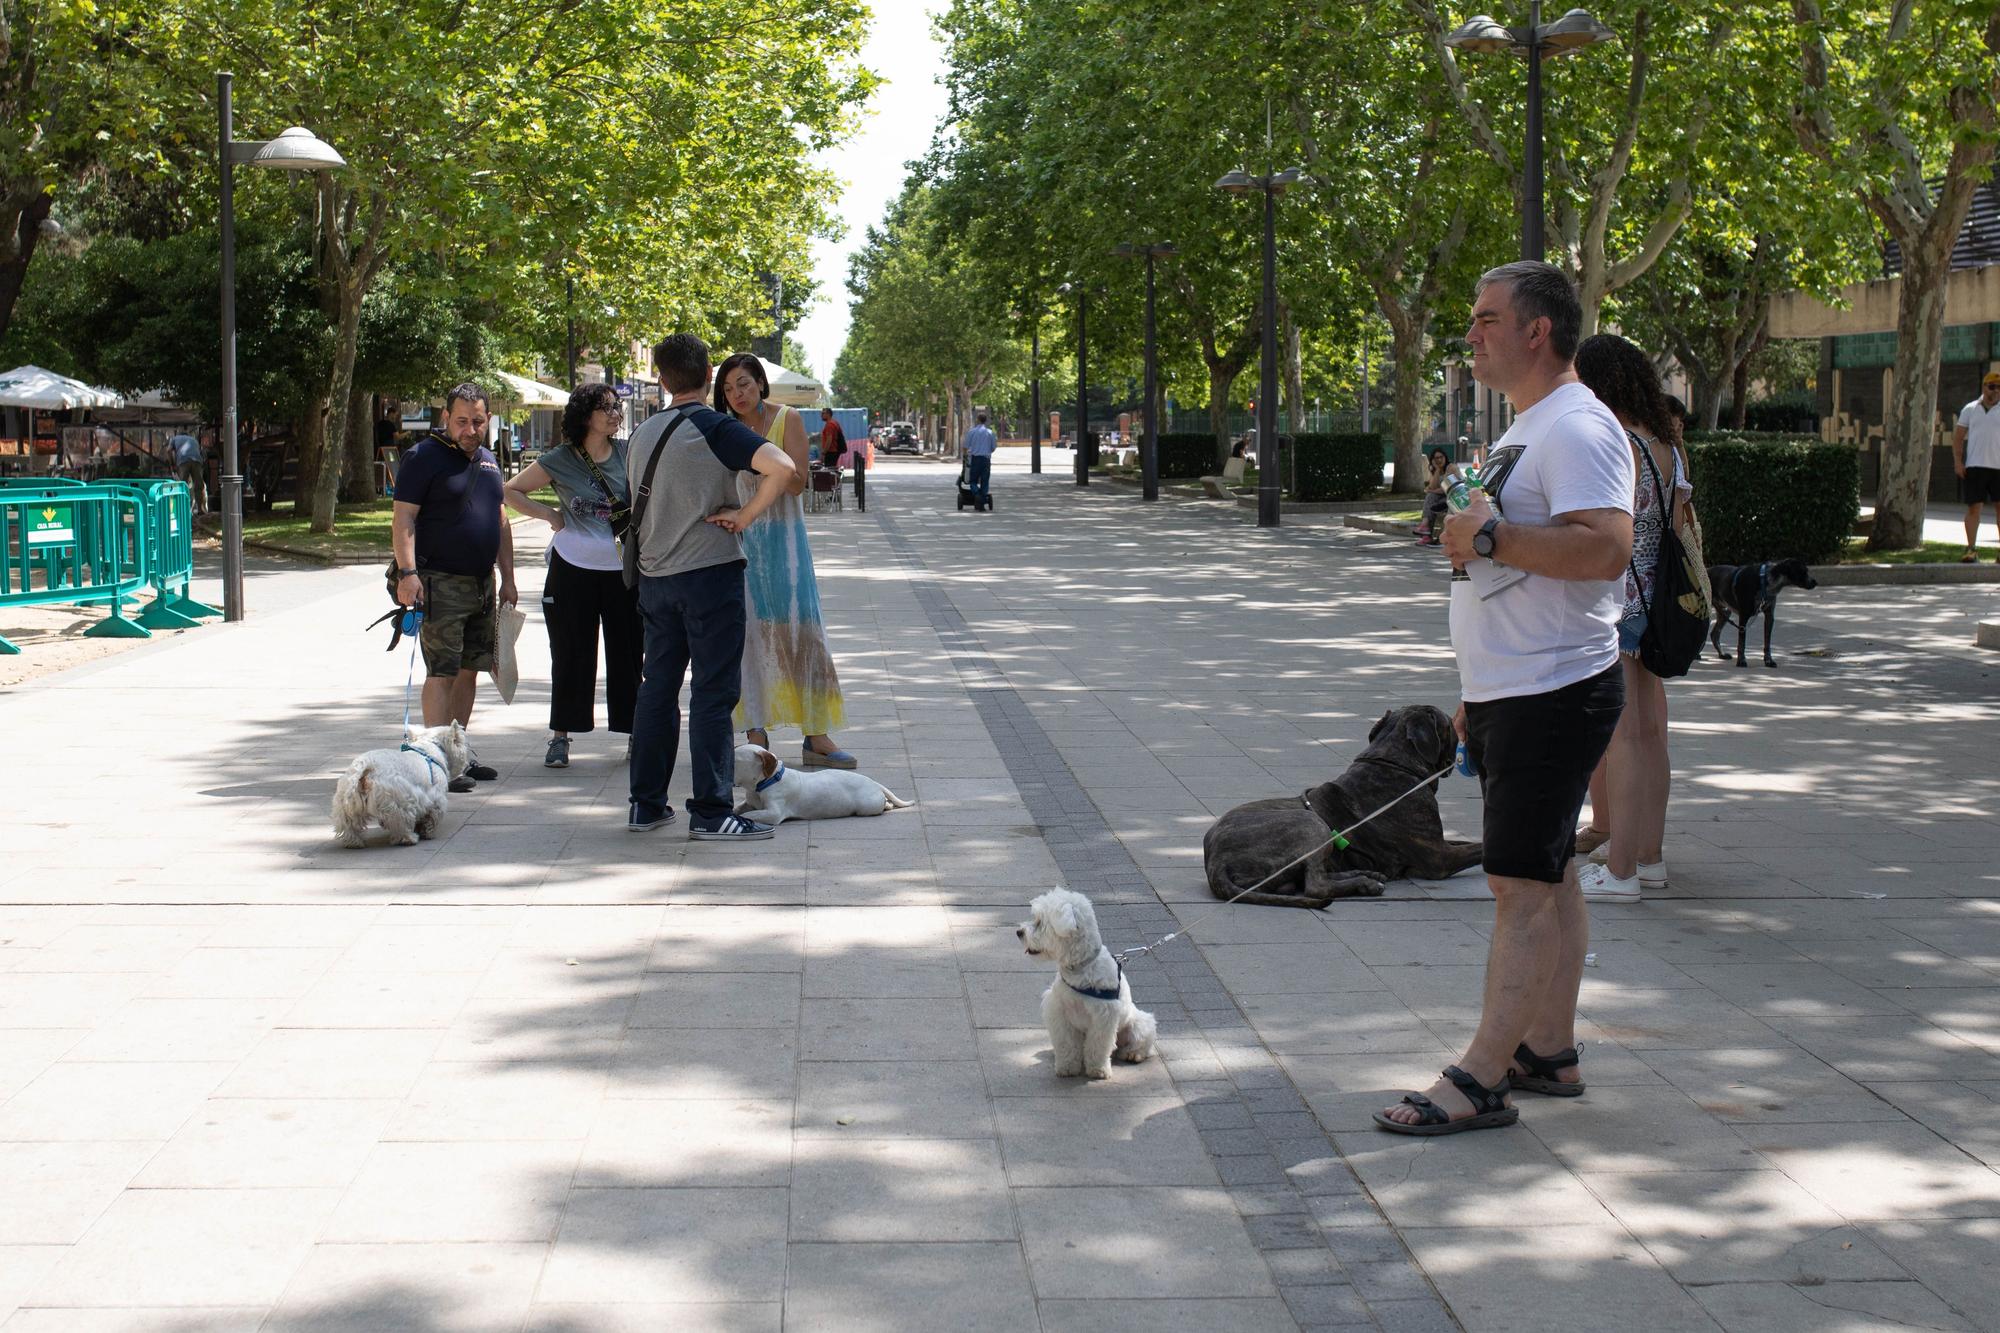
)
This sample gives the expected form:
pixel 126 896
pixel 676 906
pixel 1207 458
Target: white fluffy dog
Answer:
pixel 776 793
pixel 403 789
pixel 1088 1007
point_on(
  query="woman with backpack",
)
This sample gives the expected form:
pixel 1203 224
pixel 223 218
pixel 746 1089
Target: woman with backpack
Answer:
pixel 1628 793
pixel 585 590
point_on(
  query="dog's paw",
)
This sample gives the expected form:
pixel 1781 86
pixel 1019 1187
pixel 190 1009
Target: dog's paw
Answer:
pixel 1069 1070
pixel 1769 663
pixel 1102 1071
pixel 1131 1055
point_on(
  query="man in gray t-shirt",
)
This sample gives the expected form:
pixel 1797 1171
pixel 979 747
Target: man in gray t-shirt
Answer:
pixel 682 465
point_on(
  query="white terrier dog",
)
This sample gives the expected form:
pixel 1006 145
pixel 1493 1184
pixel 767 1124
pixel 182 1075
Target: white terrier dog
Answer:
pixel 1088 1007
pixel 403 789
pixel 776 793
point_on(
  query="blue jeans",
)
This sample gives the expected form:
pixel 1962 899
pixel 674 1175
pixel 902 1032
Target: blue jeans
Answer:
pixel 694 618
pixel 979 474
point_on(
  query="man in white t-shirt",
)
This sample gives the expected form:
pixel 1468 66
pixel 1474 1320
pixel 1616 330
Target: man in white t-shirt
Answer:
pixel 1975 456
pixel 1542 687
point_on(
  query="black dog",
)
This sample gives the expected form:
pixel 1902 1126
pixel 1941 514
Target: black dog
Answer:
pixel 1255 840
pixel 1743 591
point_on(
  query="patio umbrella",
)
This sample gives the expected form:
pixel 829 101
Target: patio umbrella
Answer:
pixel 520 391
pixel 36 389
pixel 791 388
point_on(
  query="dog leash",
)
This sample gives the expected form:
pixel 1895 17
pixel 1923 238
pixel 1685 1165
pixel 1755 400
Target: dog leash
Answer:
pixel 1335 839
pixel 410 624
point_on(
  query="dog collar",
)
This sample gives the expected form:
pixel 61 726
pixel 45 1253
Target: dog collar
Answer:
pixel 774 777
pixel 424 755
pixel 1099 992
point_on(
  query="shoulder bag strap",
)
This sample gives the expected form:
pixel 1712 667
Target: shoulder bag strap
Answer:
pixel 597 475
pixel 1666 519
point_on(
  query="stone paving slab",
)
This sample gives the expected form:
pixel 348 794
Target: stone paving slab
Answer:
pixel 543 1074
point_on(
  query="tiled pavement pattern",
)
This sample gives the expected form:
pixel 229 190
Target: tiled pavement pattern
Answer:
pixel 544 1074
pixel 1334 1257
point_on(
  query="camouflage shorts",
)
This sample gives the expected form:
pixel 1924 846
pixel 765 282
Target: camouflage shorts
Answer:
pixel 459 623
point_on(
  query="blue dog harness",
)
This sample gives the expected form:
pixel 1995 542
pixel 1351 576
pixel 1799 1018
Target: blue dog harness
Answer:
pixel 1114 993
pixel 424 755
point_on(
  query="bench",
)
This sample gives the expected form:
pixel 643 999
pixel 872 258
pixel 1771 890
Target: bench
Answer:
pixel 1218 488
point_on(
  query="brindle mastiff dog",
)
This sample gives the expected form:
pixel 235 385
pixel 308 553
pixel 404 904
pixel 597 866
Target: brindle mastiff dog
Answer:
pixel 1405 841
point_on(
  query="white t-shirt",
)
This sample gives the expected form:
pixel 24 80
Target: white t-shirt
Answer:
pixel 1982 434
pixel 1566 453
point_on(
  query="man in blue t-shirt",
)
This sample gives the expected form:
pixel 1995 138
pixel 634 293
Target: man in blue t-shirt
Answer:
pixel 682 465
pixel 448 532
pixel 978 450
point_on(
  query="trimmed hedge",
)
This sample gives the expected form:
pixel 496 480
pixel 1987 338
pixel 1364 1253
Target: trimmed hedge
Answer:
pixel 1794 413
pixel 1774 497
pixel 1187 455
pixel 1343 466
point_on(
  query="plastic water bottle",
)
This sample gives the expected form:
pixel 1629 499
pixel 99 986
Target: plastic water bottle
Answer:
pixel 1459 494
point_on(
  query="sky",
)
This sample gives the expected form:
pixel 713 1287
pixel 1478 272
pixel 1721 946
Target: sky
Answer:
pixel 895 128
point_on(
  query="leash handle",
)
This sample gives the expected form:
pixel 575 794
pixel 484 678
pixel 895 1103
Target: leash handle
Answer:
pixel 1337 838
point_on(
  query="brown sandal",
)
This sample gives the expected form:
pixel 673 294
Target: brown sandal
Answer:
pixel 1590 839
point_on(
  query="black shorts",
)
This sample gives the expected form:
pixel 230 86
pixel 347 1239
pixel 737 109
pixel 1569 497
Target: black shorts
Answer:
pixel 1535 754
pixel 1980 485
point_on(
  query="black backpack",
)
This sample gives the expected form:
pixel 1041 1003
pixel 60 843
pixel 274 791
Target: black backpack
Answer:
pixel 1677 614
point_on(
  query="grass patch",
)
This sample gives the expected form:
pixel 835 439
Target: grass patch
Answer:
pixel 1930 553
pixel 362 529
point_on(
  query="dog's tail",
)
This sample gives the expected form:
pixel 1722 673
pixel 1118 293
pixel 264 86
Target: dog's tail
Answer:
pixel 350 802
pixel 895 802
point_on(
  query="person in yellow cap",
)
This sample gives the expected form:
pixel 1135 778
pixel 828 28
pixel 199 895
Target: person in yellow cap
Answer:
pixel 1975 456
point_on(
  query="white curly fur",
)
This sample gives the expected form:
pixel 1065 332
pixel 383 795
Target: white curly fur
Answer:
pixel 1087 1032
pixel 403 790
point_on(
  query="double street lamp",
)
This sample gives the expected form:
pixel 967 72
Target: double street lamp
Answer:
pixel 1149 448
pixel 1240 182
pixel 297 149
pixel 1574 31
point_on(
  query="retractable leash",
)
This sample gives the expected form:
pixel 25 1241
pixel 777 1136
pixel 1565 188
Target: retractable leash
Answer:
pixel 409 625
pixel 1337 839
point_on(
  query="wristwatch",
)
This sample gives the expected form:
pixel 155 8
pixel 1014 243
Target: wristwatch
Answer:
pixel 1482 540
pixel 406 573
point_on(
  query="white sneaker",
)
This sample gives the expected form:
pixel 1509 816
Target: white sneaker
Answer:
pixel 1652 874
pixel 1601 886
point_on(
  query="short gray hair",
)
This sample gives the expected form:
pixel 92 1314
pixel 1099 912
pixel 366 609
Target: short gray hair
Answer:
pixel 1542 291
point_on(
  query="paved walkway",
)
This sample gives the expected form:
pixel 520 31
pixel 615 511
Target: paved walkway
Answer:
pixel 545 1074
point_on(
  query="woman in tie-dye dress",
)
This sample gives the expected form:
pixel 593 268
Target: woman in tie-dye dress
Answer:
pixel 788 675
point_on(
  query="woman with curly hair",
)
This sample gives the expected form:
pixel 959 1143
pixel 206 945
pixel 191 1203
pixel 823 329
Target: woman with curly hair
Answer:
pixel 585 590
pixel 1628 793
pixel 788 675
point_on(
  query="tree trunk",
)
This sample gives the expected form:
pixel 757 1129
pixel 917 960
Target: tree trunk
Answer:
pixel 1739 381
pixel 1221 379
pixel 1294 373
pixel 1406 347
pixel 358 486
pixel 339 389
pixel 26 234
pixel 1907 427
pixel 312 451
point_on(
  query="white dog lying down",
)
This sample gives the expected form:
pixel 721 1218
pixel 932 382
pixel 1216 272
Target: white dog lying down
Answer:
pixel 775 793
pixel 1088 1007
pixel 401 789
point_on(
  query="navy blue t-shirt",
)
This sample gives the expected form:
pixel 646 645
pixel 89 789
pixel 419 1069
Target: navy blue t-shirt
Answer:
pixel 458 499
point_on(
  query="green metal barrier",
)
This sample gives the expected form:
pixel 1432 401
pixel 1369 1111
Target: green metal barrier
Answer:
pixel 64 544
pixel 169 559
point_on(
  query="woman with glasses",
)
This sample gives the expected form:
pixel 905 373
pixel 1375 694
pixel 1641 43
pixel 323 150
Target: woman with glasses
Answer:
pixel 585 593
pixel 788 675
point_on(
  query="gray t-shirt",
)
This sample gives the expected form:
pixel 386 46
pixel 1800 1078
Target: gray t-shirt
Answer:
pixel 585 539
pixel 696 477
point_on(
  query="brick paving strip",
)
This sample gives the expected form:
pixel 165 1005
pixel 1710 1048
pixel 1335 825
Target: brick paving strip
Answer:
pixel 1335 1258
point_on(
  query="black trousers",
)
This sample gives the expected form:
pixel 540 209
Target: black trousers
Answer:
pixel 576 604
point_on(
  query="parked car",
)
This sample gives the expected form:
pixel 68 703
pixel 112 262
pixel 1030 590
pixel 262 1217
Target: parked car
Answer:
pixel 901 439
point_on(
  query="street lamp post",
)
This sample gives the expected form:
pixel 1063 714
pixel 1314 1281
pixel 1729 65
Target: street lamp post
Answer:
pixel 1572 32
pixel 297 149
pixel 1272 185
pixel 1149 447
